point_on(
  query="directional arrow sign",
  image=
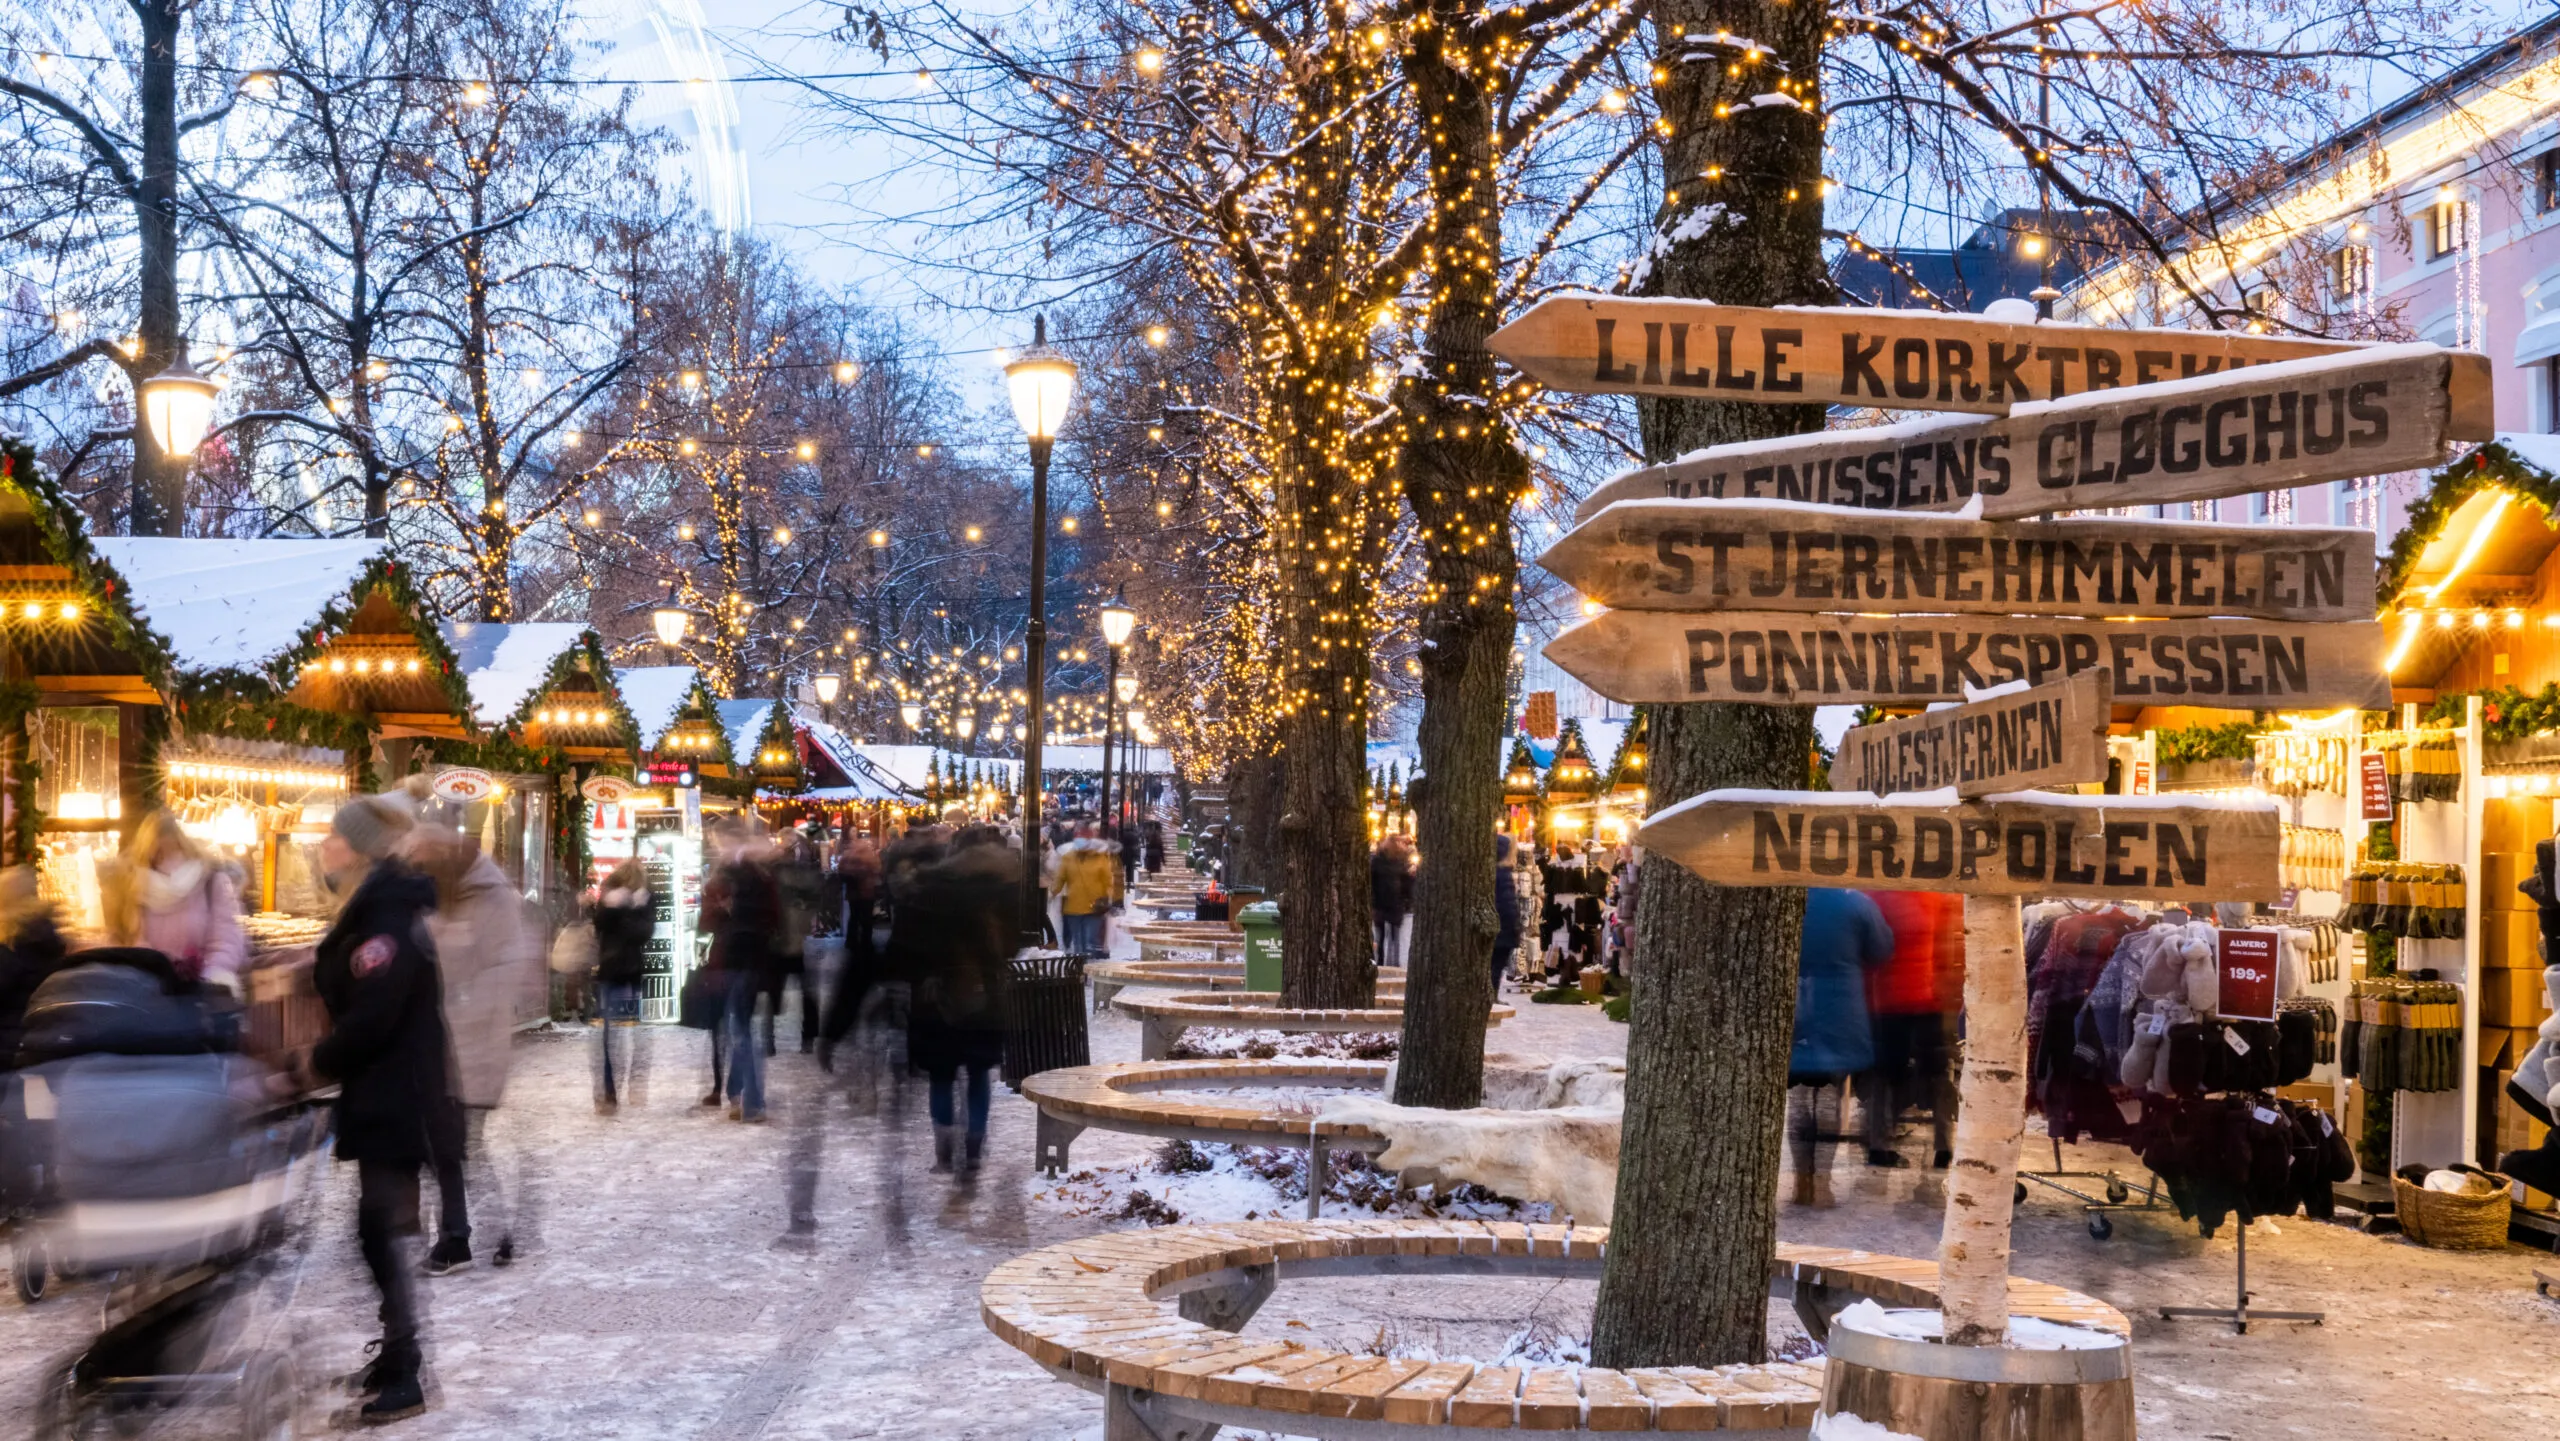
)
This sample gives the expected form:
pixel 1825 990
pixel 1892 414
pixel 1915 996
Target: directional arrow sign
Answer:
pixel 2155 848
pixel 1708 555
pixel 2302 422
pixel 1772 658
pixel 1899 359
pixel 2054 734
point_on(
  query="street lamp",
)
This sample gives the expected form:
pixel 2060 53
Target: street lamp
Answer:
pixel 1118 624
pixel 912 714
pixel 670 623
pixel 177 404
pixel 829 685
pixel 1042 382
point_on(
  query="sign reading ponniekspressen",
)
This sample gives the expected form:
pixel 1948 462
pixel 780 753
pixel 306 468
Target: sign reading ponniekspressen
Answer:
pixel 2048 735
pixel 1852 355
pixel 2301 422
pixel 2119 847
pixel 1709 555
pixel 1770 658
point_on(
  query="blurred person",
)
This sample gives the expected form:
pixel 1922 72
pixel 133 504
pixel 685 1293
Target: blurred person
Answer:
pixel 1088 878
pixel 490 964
pixel 1910 1035
pixel 625 916
pixel 387 1050
pixel 169 894
pixel 1390 895
pixel 1506 909
pixel 1152 845
pixel 1844 938
pixel 1128 843
pixel 31 949
pixel 856 873
pixel 797 883
pixel 1052 922
pixel 742 909
pixel 965 905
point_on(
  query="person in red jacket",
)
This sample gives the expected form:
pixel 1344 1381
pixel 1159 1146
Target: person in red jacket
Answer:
pixel 1904 1002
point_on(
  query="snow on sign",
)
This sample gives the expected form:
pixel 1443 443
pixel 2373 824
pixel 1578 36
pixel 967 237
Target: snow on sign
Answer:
pixel 2106 847
pixel 1705 555
pixel 2299 422
pixel 1770 658
pixel 464 784
pixel 1841 355
pixel 2048 735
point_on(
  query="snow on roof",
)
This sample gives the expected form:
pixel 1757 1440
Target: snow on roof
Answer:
pixel 234 604
pixel 655 694
pixel 2542 452
pixel 503 665
pixel 870 781
pixel 743 720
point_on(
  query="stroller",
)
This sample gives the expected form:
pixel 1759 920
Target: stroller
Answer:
pixel 137 1146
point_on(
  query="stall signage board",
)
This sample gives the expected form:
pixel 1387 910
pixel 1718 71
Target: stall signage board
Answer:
pixel 2302 422
pixel 1708 555
pixel 2054 734
pixel 671 773
pixel 606 790
pixel 2373 787
pixel 1770 658
pixel 2100 847
pixel 1854 355
pixel 464 784
pixel 2247 960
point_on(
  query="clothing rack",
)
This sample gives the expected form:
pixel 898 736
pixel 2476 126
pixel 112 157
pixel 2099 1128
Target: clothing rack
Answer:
pixel 2238 1312
pixel 2116 1197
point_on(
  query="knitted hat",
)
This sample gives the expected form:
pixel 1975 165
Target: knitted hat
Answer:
pixel 372 826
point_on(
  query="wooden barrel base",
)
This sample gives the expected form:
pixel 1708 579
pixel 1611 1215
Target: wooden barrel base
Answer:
pixel 1945 1393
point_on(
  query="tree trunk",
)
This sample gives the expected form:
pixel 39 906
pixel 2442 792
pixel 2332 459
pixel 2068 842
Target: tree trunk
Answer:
pixel 159 501
pixel 1461 468
pixel 1714 1003
pixel 1991 1112
pixel 1253 822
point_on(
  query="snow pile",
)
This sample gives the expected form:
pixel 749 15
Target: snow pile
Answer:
pixel 1208 1182
pixel 2026 1333
pixel 1567 1157
pixel 1536 1083
pixel 1845 1427
pixel 1209 1043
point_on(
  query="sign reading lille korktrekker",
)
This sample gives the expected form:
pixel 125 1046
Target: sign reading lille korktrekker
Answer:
pixel 2301 422
pixel 1773 658
pixel 2103 847
pixel 2053 734
pixel 1709 555
pixel 1846 355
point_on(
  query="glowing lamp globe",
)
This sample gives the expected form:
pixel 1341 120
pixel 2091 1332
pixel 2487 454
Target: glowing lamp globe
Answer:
pixel 1118 621
pixel 670 624
pixel 1126 687
pixel 912 714
pixel 177 404
pixel 1041 383
pixel 829 684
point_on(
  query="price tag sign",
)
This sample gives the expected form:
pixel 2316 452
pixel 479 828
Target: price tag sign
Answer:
pixel 2248 961
pixel 2142 782
pixel 2375 788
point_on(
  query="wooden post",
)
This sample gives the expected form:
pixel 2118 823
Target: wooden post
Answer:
pixel 1973 1245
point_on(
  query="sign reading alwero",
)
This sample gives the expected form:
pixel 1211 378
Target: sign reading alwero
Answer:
pixel 2048 735
pixel 2106 847
pixel 1708 555
pixel 1898 359
pixel 1772 658
pixel 2300 422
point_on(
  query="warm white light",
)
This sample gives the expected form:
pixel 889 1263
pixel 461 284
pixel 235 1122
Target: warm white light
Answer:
pixel 973 533
pixel 846 370
pixel 968 726
pixel 829 685
pixel 1042 382
pixel 912 714
pixel 1118 621
pixel 807 450
pixel 475 93
pixel 1149 60
pixel 80 806
pixel 178 406
pixel 879 538
pixel 670 624
pixel 1126 687
pixel 1158 335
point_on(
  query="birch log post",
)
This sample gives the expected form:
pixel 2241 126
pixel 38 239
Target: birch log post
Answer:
pixel 1991 1115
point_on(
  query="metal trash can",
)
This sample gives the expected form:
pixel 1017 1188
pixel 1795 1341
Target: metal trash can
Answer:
pixel 1261 925
pixel 1044 1018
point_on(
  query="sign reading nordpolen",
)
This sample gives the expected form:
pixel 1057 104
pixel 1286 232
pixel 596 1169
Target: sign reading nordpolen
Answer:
pixel 2300 422
pixel 1707 555
pixel 2054 734
pixel 2103 847
pixel 1772 658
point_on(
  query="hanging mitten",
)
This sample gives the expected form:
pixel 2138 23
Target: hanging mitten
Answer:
pixel 2164 969
pixel 2142 1055
pixel 2203 975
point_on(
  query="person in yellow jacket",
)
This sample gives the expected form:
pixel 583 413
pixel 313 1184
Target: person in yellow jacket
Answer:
pixel 1088 882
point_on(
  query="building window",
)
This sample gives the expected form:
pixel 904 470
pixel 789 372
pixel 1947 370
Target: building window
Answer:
pixel 2444 228
pixel 2546 182
pixel 2351 271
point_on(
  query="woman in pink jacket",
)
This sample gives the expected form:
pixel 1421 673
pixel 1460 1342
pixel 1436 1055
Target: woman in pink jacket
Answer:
pixel 172 895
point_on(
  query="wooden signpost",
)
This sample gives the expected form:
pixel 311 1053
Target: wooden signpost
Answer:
pixel 1773 658
pixel 1701 555
pixel 1846 355
pixel 2053 734
pixel 2156 848
pixel 2302 422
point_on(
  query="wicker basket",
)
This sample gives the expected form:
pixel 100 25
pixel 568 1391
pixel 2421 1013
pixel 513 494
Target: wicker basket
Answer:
pixel 2471 1221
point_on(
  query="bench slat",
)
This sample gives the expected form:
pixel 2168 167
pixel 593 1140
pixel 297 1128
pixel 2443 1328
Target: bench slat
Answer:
pixel 1488 1399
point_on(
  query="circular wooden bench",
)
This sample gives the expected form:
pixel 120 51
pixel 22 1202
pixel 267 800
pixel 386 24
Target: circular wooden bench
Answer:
pixel 1150 1319
pixel 1162 1021
pixel 1126 1096
pixel 1108 977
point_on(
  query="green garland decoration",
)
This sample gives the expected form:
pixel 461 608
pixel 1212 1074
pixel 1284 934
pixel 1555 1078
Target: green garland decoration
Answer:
pixel 17 698
pixel 2186 745
pixel 2506 713
pixel 2491 465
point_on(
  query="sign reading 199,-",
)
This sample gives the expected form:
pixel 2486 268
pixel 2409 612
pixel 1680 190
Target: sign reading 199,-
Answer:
pixel 1770 658
pixel 1899 359
pixel 2112 847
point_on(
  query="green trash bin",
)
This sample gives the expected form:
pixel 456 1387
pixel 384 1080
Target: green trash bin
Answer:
pixel 1261 924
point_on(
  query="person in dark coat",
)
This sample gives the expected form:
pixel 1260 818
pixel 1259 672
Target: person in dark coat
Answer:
pixel 964 912
pixel 386 1048
pixel 742 908
pixel 1506 908
pixel 31 949
pixel 1390 895
pixel 1129 844
pixel 856 874
pixel 1153 847
pixel 1844 937
pixel 625 916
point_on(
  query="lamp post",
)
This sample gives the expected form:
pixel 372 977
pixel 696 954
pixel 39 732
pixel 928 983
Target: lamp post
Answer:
pixel 1130 756
pixel 1041 381
pixel 1118 624
pixel 1126 688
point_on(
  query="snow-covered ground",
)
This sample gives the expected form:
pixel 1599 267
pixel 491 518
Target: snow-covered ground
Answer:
pixel 656 1305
